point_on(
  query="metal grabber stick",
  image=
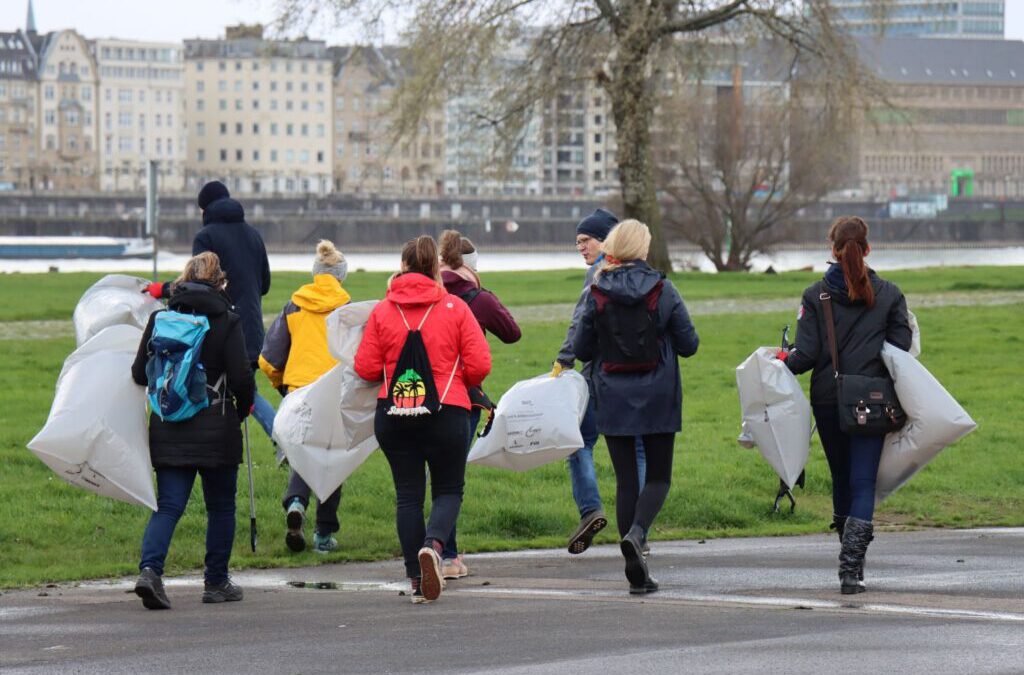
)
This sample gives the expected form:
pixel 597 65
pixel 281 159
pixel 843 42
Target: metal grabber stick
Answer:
pixel 252 495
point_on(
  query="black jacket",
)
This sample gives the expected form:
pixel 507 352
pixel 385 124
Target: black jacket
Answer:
pixel 243 257
pixel 212 438
pixel 860 332
pixel 631 404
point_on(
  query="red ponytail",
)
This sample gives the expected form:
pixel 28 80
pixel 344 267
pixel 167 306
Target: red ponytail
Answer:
pixel 849 237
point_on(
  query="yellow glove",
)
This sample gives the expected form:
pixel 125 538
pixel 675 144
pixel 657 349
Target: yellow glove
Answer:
pixel 557 369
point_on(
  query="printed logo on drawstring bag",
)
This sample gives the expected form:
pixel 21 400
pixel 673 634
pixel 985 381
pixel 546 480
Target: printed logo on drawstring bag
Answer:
pixel 413 392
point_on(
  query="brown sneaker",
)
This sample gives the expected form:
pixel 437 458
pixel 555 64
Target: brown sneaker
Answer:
pixel 431 579
pixel 590 525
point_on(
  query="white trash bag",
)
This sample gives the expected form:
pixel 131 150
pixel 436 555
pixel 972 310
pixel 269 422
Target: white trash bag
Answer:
pixel 113 300
pixel 915 335
pixel 96 436
pixel 326 428
pixel 776 413
pixel 934 421
pixel 536 422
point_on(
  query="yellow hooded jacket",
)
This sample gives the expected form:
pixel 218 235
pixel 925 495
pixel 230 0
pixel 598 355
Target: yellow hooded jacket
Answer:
pixel 295 350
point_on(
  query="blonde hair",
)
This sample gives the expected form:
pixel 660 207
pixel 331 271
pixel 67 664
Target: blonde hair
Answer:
pixel 327 255
pixel 453 246
pixel 204 268
pixel 628 241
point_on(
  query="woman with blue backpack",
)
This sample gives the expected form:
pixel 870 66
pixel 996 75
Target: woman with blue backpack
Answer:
pixel 428 348
pixel 192 359
pixel 633 328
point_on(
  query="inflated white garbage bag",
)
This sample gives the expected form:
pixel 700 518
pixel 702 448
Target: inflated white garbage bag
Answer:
pixel 536 422
pixel 96 436
pixel 326 428
pixel 934 421
pixel 915 335
pixel 776 413
pixel 115 299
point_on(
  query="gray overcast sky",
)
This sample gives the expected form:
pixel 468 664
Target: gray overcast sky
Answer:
pixel 179 19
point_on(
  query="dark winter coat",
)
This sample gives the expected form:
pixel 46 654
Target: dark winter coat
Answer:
pixel 860 332
pixel 212 438
pixel 632 404
pixel 488 310
pixel 243 257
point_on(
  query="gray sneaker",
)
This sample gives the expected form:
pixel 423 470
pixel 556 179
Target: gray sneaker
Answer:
pixel 295 518
pixel 150 588
pixel 225 592
pixel 590 525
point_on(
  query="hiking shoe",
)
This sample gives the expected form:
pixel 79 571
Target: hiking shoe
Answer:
pixel 454 568
pixel 150 587
pixel 431 580
pixel 225 592
pixel 325 543
pixel 636 566
pixel 295 518
pixel 590 525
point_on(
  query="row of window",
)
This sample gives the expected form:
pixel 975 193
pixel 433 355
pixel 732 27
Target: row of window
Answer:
pixel 141 54
pixel 131 95
pixel 71 117
pixel 238 85
pixel 222 104
pixel 173 74
pixel 284 64
pixel 289 156
pixel 127 143
pixel 239 129
pixel 124 120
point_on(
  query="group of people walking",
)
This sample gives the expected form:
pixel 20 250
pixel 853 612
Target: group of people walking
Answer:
pixel 425 343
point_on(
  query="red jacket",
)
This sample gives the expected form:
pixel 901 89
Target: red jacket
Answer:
pixel 450 332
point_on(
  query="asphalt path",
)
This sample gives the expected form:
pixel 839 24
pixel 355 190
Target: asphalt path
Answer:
pixel 939 601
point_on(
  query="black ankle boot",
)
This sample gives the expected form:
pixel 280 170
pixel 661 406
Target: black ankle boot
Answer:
pixel 857 534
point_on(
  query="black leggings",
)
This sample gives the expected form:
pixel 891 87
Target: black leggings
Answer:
pixel 411 444
pixel 634 506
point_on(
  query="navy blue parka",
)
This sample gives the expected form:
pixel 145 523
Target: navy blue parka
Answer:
pixel 633 404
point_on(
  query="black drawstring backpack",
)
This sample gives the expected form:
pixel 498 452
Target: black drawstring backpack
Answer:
pixel 412 392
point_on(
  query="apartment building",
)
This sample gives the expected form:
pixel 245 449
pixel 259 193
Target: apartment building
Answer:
pixel 258 113
pixel 141 113
pixel 367 159
pixel 19 101
pixel 66 114
pixel 924 18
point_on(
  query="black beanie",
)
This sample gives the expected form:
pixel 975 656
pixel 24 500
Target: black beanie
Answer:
pixel 598 224
pixel 211 192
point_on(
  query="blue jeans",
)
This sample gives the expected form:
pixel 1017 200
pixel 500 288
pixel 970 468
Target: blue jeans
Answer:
pixel 451 547
pixel 582 474
pixel 853 462
pixel 264 413
pixel 173 488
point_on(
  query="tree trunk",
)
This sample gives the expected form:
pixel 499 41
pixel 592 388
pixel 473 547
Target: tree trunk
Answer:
pixel 633 109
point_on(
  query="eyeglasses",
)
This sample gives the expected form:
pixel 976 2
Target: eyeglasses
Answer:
pixel 583 241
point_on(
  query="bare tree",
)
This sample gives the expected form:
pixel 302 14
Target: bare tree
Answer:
pixel 621 45
pixel 749 139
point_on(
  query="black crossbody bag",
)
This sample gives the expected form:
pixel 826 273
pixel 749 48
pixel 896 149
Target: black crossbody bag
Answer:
pixel 867 405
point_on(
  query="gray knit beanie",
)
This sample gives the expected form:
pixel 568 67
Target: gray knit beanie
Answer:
pixel 329 260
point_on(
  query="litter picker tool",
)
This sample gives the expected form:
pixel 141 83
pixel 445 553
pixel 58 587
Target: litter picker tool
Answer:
pixel 252 496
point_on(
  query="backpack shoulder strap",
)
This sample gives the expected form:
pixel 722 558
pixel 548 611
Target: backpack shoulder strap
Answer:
pixel 469 296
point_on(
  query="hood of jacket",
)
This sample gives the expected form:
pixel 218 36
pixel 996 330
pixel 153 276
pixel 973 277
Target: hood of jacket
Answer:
pixel 836 283
pixel 224 210
pixel 198 298
pixel 630 283
pixel 322 296
pixel 457 285
pixel 412 288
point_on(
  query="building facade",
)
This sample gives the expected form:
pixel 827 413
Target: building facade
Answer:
pixel 366 157
pixel 924 18
pixel 19 102
pixel 959 111
pixel 141 113
pixel 67 111
pixel 258 113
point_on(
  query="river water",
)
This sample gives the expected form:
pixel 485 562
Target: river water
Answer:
pixel 782 260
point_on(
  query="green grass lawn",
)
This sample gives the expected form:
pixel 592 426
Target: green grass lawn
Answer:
pixel 51 531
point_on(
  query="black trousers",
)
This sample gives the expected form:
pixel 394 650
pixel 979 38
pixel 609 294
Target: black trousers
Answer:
pixel 634 506
pixel 411 444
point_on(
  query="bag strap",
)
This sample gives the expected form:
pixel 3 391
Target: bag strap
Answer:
pixel 450 379
pixel 422 321
pixel 830 329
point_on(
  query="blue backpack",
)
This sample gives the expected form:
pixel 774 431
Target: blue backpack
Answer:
pixel 176 377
